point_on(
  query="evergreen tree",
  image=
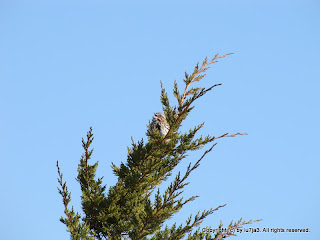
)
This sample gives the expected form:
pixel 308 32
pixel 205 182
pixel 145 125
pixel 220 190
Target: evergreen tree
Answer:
pixel 135 208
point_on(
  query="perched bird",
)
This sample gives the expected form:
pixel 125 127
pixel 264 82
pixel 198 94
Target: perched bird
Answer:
pixel 159 122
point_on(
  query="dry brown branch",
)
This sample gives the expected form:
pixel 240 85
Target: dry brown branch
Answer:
pixel 231 229
pixel 204 67
pixel 231 135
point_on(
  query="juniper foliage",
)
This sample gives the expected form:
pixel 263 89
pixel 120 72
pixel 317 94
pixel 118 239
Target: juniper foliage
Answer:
pixel 134 208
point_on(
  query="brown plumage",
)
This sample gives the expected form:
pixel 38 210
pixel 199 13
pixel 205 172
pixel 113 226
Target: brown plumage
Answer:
pixel 159 122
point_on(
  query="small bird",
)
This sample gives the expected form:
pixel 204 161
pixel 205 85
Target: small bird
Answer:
pixel 159 122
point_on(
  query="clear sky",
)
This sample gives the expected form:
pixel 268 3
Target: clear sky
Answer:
pixel 69 65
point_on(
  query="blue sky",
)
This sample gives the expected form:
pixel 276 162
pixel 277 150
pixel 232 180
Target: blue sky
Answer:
pixel 69 65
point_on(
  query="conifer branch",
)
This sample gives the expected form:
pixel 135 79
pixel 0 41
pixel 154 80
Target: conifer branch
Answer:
pixel 93 196
pixel 78 230
pixel 232 227
pixel 195 75
pixel 170 196
pixel 231 135
pixel 184 108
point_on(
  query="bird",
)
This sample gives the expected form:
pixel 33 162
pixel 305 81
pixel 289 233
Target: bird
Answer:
pixel 159 122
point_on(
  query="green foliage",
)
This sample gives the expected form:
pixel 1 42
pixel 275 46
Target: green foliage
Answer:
pixel 133 208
